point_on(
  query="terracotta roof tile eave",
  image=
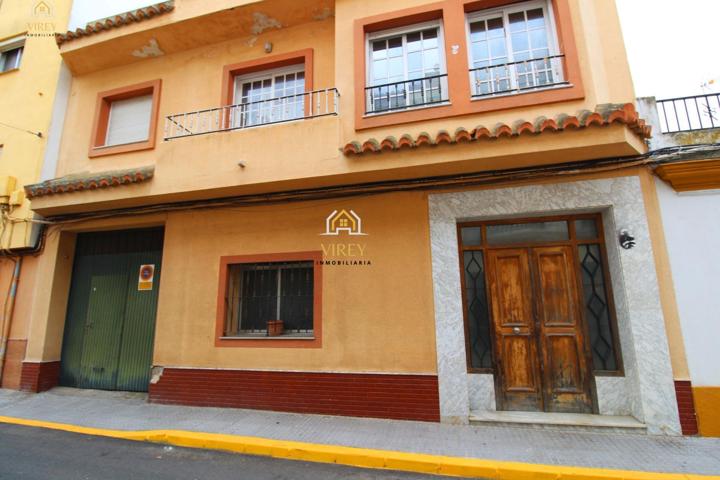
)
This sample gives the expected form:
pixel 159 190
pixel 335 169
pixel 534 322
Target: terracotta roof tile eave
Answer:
pixel 116 21
pixel 604 115
pixel 77 183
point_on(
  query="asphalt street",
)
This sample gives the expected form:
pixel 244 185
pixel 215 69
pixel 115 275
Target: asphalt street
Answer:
pixel 35 453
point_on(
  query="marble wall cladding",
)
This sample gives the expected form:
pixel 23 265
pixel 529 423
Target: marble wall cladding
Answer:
pixel 648 385
pixel 613 396
pixel 481 391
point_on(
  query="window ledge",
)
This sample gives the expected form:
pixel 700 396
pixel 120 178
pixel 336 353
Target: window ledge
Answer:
pixel 10 71
pixel 103 150
pixel 265 337
pixel 409 109
pixel 524 92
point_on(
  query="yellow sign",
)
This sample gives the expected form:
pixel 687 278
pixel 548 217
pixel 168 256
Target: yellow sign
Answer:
pixel 146 276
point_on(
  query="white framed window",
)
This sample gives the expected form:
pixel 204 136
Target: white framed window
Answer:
pixel 269 97
pixel 405 68
pixel 513 49
pixel 129 120
pixel 11 51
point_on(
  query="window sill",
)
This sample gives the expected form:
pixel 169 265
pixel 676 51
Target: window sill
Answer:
pixel 444 103
pixel 101 151
pixel 10 71
pixel 262 337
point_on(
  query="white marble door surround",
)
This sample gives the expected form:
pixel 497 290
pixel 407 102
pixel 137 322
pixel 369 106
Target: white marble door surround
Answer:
pixel 647 390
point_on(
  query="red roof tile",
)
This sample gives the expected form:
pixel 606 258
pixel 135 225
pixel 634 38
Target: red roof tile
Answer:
pixel 76 183
pixel 606 114
pixel 116 21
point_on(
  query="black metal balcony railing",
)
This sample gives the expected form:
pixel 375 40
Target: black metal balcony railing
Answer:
pixel 318 103
pixel 418 92
pixel 685 114
pixel 516 77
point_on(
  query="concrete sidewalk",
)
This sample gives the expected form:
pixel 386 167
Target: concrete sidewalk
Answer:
pixel 125 411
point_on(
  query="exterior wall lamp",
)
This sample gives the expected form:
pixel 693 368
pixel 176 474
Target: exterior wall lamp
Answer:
pixel 627 241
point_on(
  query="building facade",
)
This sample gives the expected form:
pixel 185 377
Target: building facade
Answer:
pixel 34 86
pixel 428 211
pixel 688 182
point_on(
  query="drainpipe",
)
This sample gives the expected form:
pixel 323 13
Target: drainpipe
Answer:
pixel 8 313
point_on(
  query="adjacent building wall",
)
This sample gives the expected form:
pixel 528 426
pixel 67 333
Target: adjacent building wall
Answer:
pixel 692 229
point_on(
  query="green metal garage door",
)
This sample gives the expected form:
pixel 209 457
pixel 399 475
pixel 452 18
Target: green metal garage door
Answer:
pixel 110 321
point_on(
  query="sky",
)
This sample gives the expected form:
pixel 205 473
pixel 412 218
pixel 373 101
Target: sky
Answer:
pixel 671 44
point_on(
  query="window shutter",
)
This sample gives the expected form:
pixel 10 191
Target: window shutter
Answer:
pixel 129 120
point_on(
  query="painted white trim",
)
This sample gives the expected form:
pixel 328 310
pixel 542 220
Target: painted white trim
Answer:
pixel 265 75
pixel 504 12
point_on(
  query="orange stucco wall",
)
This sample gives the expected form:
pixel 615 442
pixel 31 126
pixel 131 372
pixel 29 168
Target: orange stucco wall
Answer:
pixel 308 153
pixel 376 317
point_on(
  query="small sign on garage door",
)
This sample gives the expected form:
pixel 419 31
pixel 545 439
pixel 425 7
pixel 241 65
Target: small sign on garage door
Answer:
pixel 145 279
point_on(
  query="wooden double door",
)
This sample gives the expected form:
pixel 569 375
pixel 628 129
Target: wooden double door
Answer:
pixel 541 358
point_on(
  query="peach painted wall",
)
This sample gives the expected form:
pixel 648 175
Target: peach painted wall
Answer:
pixel 375 318
pixel 308 153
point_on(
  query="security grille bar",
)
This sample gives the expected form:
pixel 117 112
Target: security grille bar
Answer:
pixel 418 92
pixel 519 76
pixel 686 114
pixel 317 103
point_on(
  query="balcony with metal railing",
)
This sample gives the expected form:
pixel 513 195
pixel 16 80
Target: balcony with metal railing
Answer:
pixel 406 94
pixel 302 106
pixel 517 77
pixel 687 114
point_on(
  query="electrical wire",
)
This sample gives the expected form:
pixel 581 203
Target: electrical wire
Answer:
pixel 37 134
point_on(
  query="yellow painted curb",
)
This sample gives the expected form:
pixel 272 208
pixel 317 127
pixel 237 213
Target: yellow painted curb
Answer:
pixel 361 457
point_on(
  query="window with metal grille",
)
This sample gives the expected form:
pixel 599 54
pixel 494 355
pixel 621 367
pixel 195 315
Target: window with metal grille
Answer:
pixel 406 68
pixel 514 49
pixel 258 293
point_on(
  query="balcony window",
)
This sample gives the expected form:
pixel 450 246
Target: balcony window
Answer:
pixel 513 50
pixel 269 97
pixel 406 68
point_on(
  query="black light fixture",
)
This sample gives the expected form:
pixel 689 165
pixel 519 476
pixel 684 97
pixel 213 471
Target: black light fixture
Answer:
pixel 627 241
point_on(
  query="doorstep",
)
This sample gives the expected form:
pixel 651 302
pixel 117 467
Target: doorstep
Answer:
pixel 580 421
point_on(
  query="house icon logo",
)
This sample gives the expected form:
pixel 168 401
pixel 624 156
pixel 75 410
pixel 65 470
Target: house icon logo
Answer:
pixel 42 9
pixel 343 221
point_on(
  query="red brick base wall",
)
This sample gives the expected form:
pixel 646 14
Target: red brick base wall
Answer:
pixel 39 376
pixel 686 407
pixel 402 397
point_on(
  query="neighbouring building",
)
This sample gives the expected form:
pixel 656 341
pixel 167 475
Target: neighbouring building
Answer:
pixel 687 142
pixel 431 211
pixel 33 89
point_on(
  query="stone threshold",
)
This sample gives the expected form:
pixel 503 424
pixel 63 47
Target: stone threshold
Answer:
pixel 584 421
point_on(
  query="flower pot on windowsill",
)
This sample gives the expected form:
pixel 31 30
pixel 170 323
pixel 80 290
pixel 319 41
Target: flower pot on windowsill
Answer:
pixel 275 328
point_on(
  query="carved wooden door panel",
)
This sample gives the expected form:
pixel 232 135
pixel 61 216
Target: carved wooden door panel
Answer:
pixel 566 380
pixel 517 379
pixel 540 355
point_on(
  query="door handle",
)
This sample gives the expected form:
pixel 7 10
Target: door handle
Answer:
pixel 516 330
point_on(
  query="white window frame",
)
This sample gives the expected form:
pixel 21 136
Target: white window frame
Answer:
pixel 9 45
pixel 237 111
pixel 505 12
pixel 385 34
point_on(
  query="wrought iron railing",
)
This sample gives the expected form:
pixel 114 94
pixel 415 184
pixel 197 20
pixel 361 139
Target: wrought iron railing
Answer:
pixel 318 103
pixel 418 92
pixel 516 77
pixel 685 114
